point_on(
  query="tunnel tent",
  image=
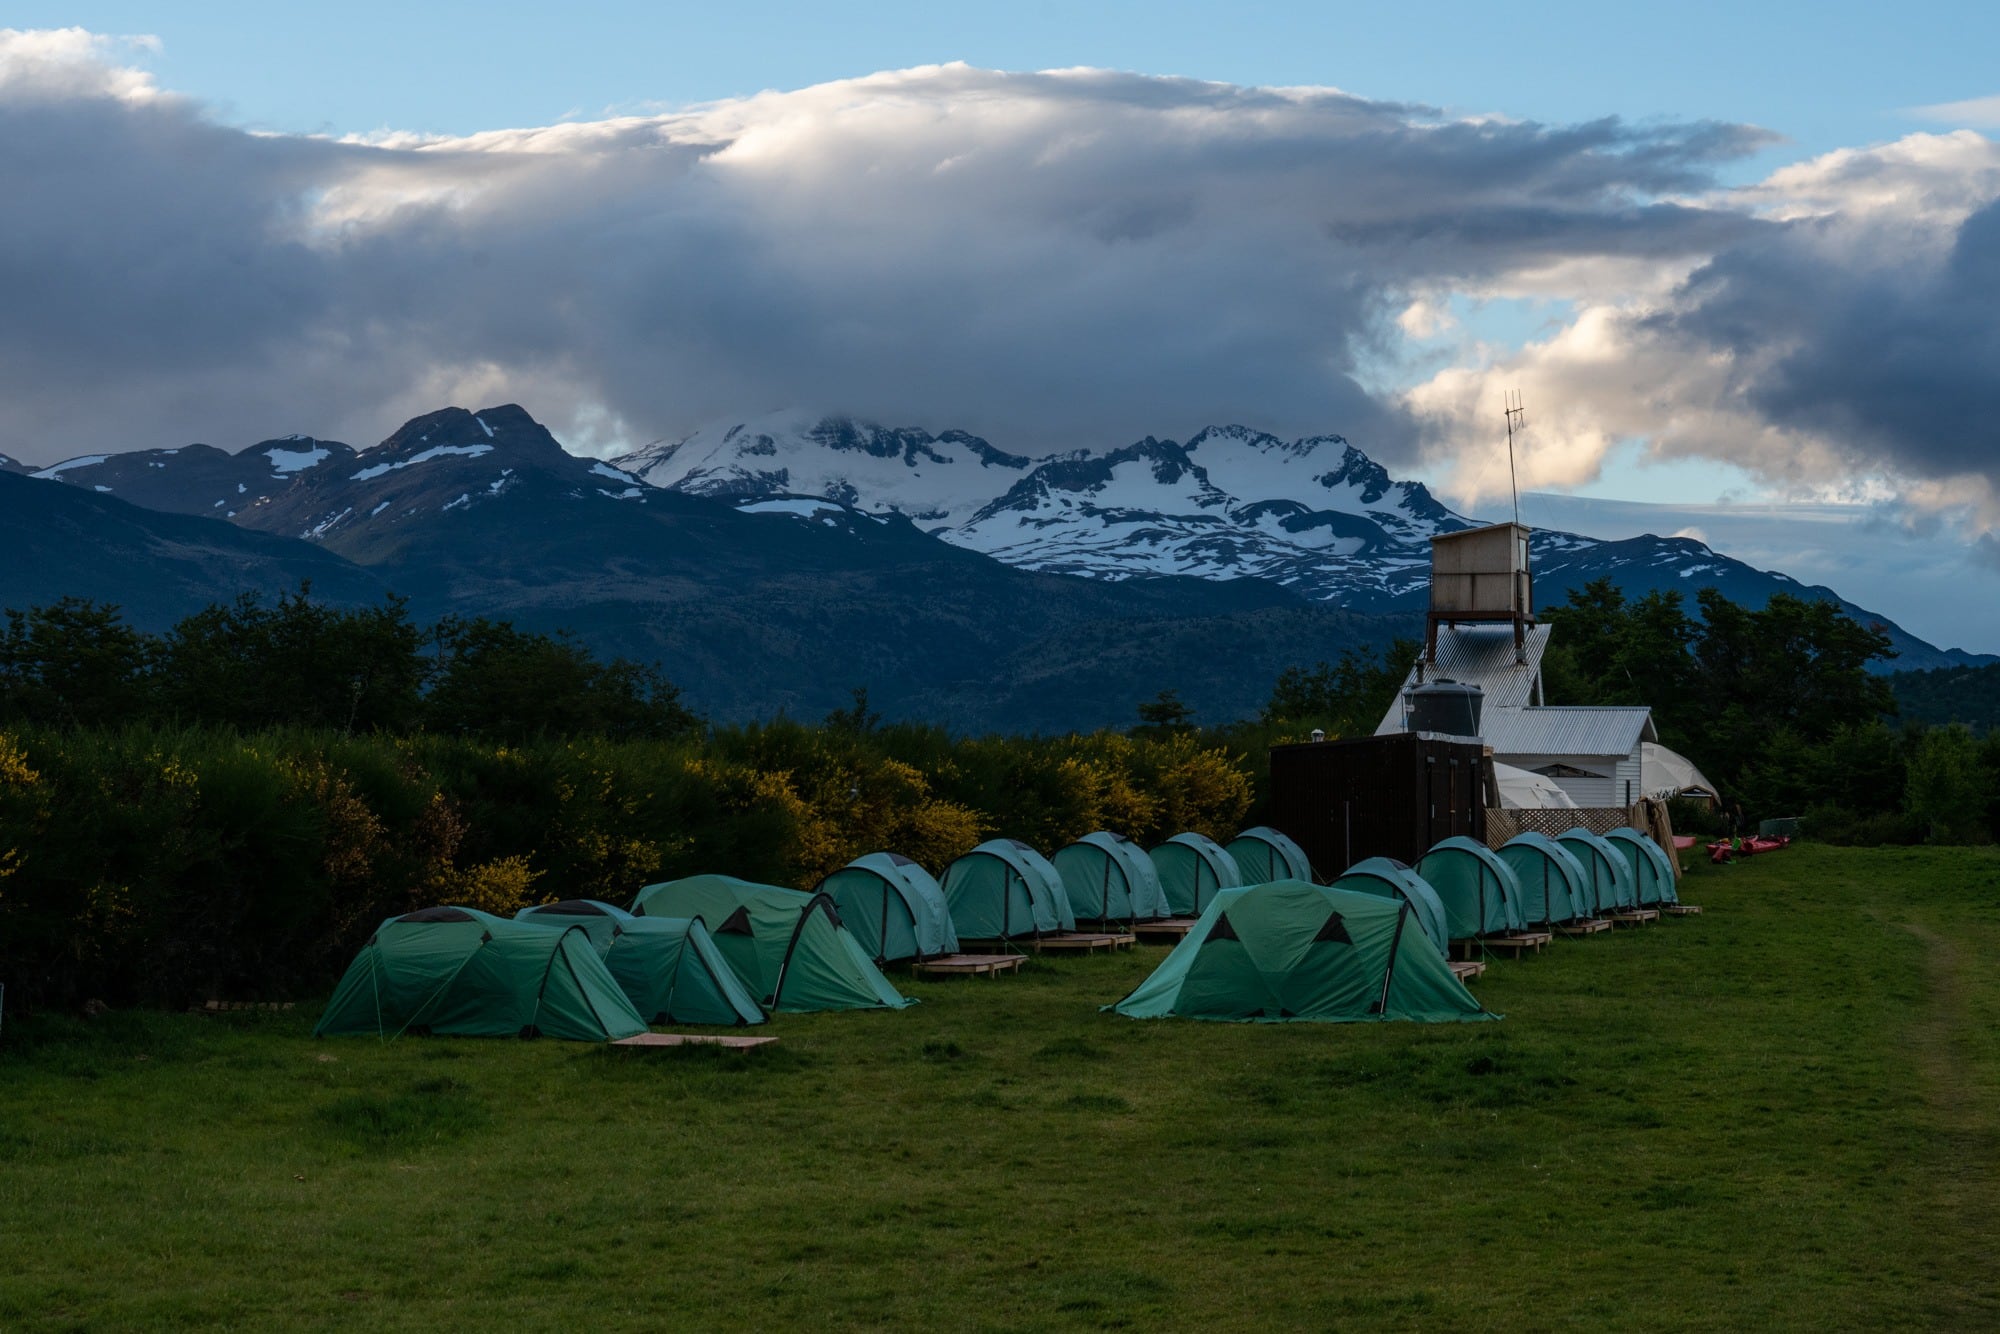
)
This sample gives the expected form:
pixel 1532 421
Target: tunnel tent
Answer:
pixel 1652 873
pixel 893 907
pixel 1389 878
pixel 1109 878
pixel 600 921
pixel 1192 868
pixel 1554 886
pixel 1263 854
pixel 459 972
pixel 1610 878
pixel 1004 889
pixel 668 967
pixel 789 947
pixel 1478 890
pixel 1291 951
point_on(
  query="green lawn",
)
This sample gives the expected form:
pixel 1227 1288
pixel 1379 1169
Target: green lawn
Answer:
pixel 1784 1112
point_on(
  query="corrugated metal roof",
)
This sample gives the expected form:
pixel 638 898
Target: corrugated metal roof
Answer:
pixel 1567 729
pixel 1481 656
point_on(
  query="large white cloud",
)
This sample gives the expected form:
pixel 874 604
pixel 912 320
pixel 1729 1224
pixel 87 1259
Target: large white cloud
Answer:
pixel 1065 257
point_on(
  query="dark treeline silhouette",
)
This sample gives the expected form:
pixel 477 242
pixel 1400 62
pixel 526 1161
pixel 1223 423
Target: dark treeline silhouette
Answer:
pixel 294 662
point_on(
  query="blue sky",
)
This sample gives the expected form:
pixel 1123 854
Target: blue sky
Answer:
pixel 1824 75
pixel 1768 283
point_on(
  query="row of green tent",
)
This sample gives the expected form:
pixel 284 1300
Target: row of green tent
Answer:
pixel 1006 890
pixel 1374 944
pixel 596 972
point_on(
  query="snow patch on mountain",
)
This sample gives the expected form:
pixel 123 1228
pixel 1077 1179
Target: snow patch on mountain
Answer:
pixel 423 456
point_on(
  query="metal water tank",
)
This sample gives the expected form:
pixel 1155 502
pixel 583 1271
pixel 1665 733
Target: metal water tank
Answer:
pixel 1444 706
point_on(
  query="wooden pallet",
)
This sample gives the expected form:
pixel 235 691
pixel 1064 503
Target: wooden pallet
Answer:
pixel 1082 942
pixel 232 1007
pixel 692 1040
pixel 968 965
pixel 1517 943
pixel 1588 927
pixel 1681 909
pixel 1167 928
pixel 1467 969
pixel 1636 916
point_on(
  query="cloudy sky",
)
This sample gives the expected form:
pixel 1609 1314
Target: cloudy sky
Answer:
pixel 1744 264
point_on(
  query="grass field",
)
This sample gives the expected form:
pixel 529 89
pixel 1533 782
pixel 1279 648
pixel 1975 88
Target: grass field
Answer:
pixel 1785 1112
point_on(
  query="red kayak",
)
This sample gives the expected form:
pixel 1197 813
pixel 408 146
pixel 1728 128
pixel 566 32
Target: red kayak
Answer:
pixel 1729 849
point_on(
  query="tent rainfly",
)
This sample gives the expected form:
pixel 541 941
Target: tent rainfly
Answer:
pixel 670 968
pixel 789 947
pixel 1554 886
pixel 1109 878
pixel 1389 878
pixel 1652 873
pixel 1003 889
pixel 1478 890
pixel 1608 876
pixel 1263 855
pixel 464 973
pixel 1292 951
pixel 1191 869
pixel 893 907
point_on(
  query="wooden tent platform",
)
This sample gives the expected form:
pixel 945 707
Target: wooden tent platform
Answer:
pixel 1588 927
pixel 1064 942
pixel 968 965
pixel 1681 909
pixel 692 1040
pixel 1636 916
pixel 233 1007
pixel 1518 943
pixel 1467 969
pixel 1167 928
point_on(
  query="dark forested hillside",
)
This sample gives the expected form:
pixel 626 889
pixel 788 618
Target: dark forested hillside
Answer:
pixel 1968 695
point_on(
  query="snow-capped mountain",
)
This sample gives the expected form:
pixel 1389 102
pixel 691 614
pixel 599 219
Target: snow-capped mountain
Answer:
pixel 199 479
pixel 1314 514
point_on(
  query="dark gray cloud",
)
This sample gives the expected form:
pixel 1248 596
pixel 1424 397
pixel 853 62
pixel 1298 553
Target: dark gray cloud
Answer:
pixel 1058 258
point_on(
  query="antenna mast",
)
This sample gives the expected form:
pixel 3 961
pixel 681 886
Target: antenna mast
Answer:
pixel 1517 420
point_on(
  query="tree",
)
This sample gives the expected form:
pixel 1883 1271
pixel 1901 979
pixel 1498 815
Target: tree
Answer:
pixel 1165 714
pixel 857 719
pixel 1342 697
pixel 1948 786
pixel 492 680
pixel 75 663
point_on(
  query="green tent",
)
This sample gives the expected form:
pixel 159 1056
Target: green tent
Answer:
pixel 893 907
pixel 1002 889
pixel 1478 890
pixel 1391 879
pixel 1109 878
pixel 1263 855
pixel 1295 951
pixel 788 946
pixel 1611 887
pixel 465 973
pixel 669 967
pixel 1554 886
pixel 1652 873
pixel 1191 868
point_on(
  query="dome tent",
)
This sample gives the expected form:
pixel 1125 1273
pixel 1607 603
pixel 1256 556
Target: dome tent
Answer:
pixel 465 973
pixel 893 907
pixel 1652 873
pixel 789 947
pixel 1479 892
pixel 1002 889
pixel 1610 878
pixel 1390 879
pixel 668 967
pixel 1554 886
pixel 1263 855
pixel 1291 951
pixel 1191 868
pixel 1110 878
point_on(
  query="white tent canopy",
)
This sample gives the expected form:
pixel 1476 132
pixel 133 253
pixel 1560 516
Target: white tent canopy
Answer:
pixel 1666 773
pixel 1522 790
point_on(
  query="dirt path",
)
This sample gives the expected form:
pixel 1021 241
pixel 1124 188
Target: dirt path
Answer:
pixel 1961 1216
